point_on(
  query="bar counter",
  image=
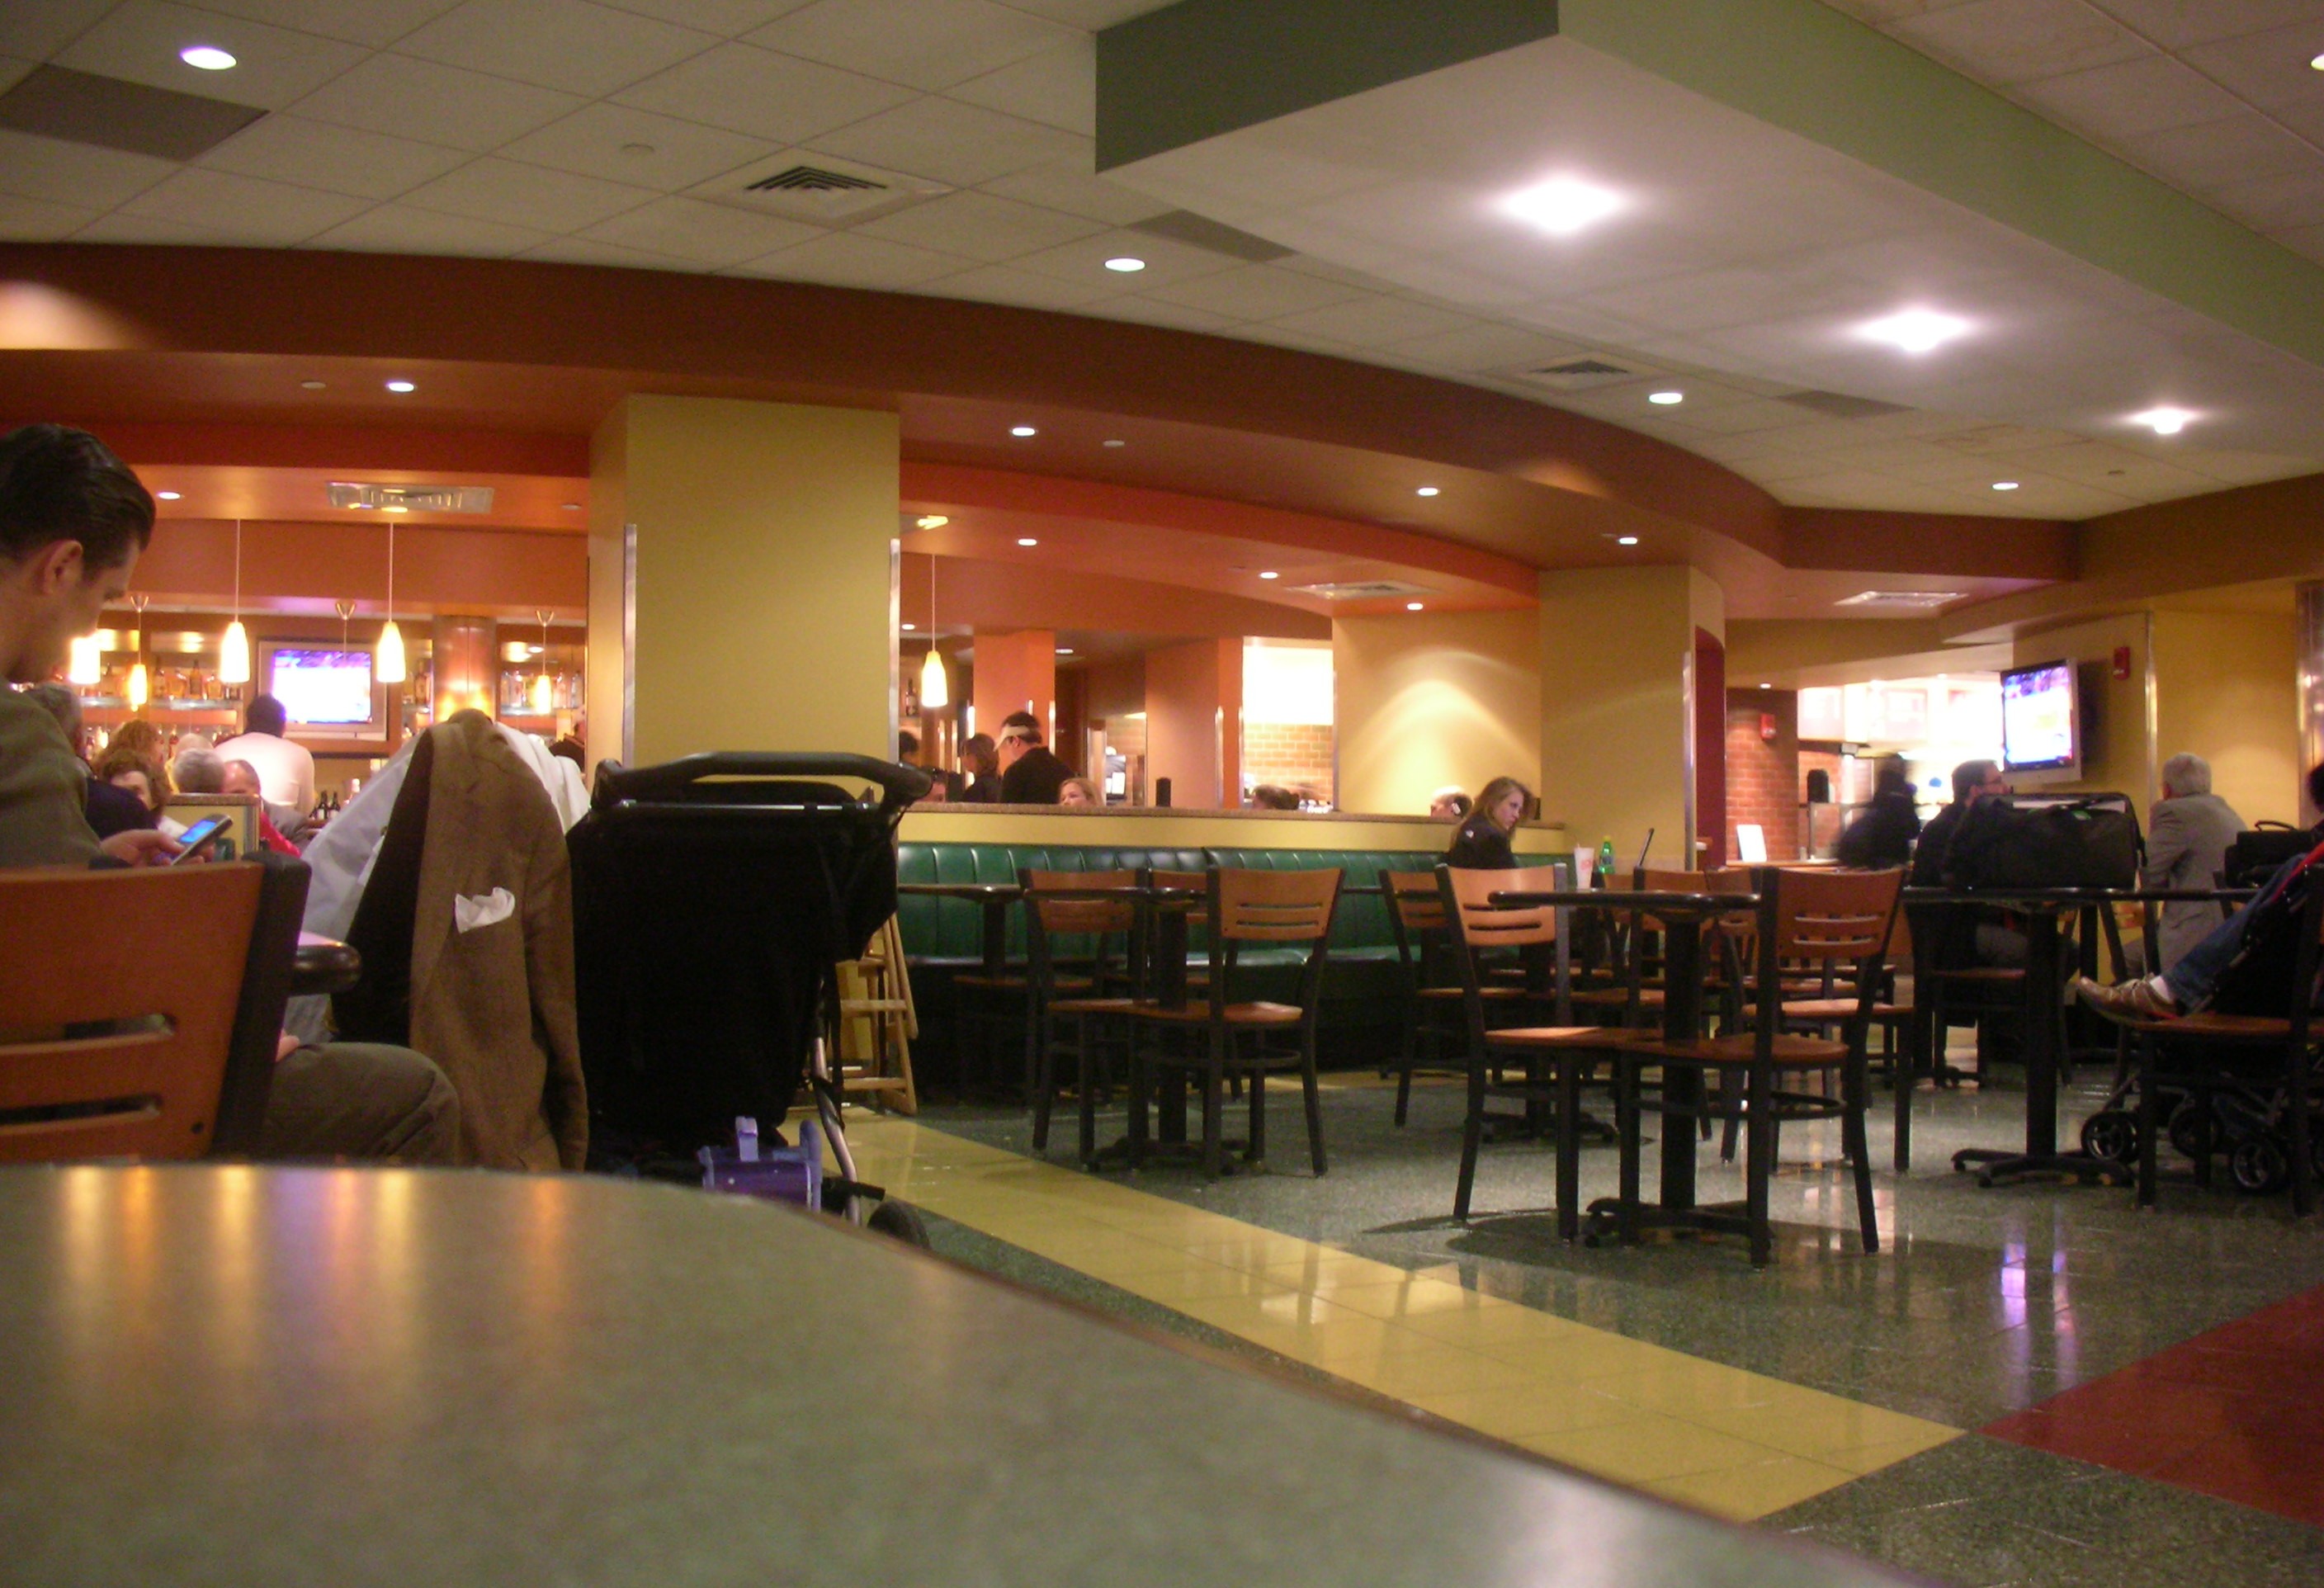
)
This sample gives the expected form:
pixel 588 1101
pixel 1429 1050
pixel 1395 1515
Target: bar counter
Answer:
pixel 237 1375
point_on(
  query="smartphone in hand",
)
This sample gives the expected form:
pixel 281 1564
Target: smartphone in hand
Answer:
pixel 197 835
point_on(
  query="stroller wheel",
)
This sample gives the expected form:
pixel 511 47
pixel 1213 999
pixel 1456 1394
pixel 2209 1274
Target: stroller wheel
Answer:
pixel 2111 1134
pixel 2259 1165
pixel 900 1220
pixel 2190 1130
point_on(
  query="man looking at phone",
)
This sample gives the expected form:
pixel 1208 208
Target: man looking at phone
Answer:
pixel 73 521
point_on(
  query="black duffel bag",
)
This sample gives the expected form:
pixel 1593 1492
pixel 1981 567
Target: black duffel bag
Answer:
pixel 2047 841
pixel 2254 855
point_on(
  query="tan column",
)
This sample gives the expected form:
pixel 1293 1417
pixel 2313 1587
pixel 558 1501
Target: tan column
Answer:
pixel 742 584
pixel 466 660
pixel 2228 689
pixel 1618 721
pixel 1194 723
pixel 1018 672
pixel 1424 700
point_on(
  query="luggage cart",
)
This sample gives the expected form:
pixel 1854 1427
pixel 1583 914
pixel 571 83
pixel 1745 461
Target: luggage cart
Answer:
pixel 714 898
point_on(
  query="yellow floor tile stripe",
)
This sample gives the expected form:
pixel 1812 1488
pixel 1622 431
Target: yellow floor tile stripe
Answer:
pixel 1735 1443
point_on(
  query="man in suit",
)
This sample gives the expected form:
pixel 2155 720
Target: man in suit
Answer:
pixel 2187 837
pixel 1029 774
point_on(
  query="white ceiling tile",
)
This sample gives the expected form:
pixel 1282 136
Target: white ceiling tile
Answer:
pixel 2269 69
pixel 710 235
pixel 2249 469
pixel 949 142
pixel 1058 88
pixel 1153 311
pixel 1377 321
pixel 139 42
pixel 1475 344
pixel 1083 263
pixel 1881 13
pixel 401 97
pixel 590 251
pixel 1071 187
pixel 2294 200
pixel 568 44
pixel 1254 292
pixel 36 220
pixel 285 148
pixel 620 143
pixel 1753 418
pixel 373 23
pixel 729 19
pixel 12 72
pixel 1779 467
pixel 395 228
pixel 2308 241
pixel 58 173
pixel 1278 333
pixel 768 96
pixel 842 259
pixel 2210 154
pixel 2013 40
pixel 1091 14
pixel 2176 23
pixel 2148 96
pixel 1004 283
pixel 121 226
pixel 978 225
pixel 944 41
pixel 243 209
pixel 1309 265
pixel 492 189
pixel 34 30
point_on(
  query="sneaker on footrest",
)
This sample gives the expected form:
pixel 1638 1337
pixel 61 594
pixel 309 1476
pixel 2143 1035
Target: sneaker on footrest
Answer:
pixel 2132 1001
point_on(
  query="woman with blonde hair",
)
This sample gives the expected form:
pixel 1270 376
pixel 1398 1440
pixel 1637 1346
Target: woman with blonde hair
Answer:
pixel 1482 842
pixel 1080 792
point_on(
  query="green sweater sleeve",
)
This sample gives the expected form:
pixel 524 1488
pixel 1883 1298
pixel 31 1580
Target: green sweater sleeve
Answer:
pixel 43 798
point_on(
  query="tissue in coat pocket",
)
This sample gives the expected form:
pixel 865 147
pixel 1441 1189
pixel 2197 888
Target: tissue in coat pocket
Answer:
pixel 482 909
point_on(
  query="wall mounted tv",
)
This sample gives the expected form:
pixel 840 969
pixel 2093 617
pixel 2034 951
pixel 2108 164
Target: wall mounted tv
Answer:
pixel 2041 722
pixel 327 692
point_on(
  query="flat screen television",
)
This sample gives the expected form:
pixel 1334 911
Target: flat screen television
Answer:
pixel 327 692
pixel 2041 721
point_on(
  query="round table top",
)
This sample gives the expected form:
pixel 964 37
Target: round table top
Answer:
pixel 224 1373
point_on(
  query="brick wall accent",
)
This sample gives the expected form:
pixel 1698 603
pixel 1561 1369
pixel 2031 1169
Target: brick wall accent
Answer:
pixel 1762 774
pixel 1292 755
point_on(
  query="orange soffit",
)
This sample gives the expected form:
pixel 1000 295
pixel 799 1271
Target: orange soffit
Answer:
pixel 33 317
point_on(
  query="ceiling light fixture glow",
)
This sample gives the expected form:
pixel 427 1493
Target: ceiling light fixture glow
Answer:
pixel 311 385
pixel 1426 491
pixel 907 628
pixel 2163 422
pixel 401 386
pixel 931 521
pixel 2317 64
pixel 1126 264
pixel 1563 205
pixel 1023 430
pixel 1665 399
pixel 205 58
pixel 1027 540
pixel 1914 330
pixel 1117 443
pixel 1413 606
pixel 2005 485
pixel 165 496
pixel 1626 539
pixel 1269 574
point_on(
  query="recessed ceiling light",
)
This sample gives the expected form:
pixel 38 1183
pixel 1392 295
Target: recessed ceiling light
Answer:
pixel 2163 421
pixel 1767 685
pixel 1412 606
pixel 2317 64
pixel 2005 485
pixel 1125 263
pixel 1023 430
pixel 1665 399
pixel 1626 539
pixel 205 58
pixel 1269 574
pixel 1426 491
pixel 931 521
pixel 1065 651
pixel 570 506
pixel 1914 330
pixel 401 386
pixel 1563 205
pixel 909 627
pixel 1117 443
pixel 165 496
pixel 310 385
pixel 1027 540
pixel 637 151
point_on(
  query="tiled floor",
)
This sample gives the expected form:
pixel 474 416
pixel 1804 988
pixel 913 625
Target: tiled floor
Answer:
pixel 1825 1394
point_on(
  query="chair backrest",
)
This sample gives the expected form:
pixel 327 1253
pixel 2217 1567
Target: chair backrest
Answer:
pixel 142 1007
pixel 1468 896
pixel 1273 907
pixel 1070 915
pixel 1830 916
pixel 1414 903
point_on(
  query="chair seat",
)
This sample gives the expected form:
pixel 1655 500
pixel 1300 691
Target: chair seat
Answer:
pixel 1553 1036
pixel 1019 984
pixel 1260 1013
pixel 1980 972
pixel 1608 997
pixel 2221 1027
pixel 1491 994
pixel 1840 1008
pixel 1092 1005
pixel 1803 1053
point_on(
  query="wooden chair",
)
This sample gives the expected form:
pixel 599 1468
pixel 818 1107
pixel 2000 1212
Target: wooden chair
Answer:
pixel 1473 924
pixel 1097 924
pixel 1431 1005
pixel 877 1024
pixel 1246 907
pixel 1802 915
pixel 139 1010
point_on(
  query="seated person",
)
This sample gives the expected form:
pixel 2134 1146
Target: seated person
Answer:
pixel 2187 836
pixel 135 772
pixel 1029 774
pixel 1081 792
pixel 908 748
pixel 286 769
pixel 1271 797
pixel 242 778
pixel 1882 834
pixel 1449 804
pixel 1483 841
pixel 1962 934
pixel 109 808
pixel 73 522
pixel 2187 982
pixel 200 772
pixel 982 762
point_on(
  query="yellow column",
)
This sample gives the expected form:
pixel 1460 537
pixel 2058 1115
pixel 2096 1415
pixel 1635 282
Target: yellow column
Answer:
pixel 740 578
pixel 1424 700
pixel 2227 688
pixel 1617 704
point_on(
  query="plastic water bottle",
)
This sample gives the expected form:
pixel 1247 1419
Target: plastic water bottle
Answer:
pixel 1606 857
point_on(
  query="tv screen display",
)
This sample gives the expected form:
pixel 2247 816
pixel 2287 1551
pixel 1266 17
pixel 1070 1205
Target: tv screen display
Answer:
pixel 2037 718
pixel 323 688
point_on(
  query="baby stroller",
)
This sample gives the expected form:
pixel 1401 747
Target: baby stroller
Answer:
pixel 712 900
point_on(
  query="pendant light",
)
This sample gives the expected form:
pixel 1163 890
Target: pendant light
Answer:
pixel 391 638
pixel 140 689
pixel 543 701
pixel 234 651
pixel 935 693
pixel 87 663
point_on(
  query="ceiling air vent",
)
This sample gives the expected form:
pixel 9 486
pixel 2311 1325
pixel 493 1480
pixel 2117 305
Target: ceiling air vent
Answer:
pixel 1580 374
pixel 1841 406
pixel 800 185
pixel 412 498
pixel 1915 600
pixel 1362 589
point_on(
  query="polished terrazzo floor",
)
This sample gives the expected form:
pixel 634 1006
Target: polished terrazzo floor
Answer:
pixel 1921 1406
